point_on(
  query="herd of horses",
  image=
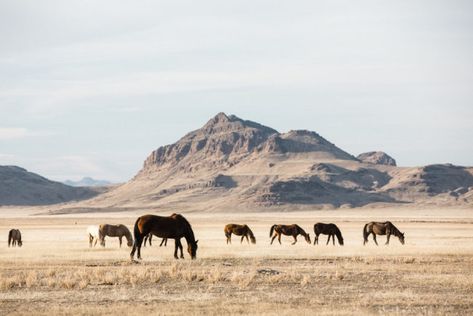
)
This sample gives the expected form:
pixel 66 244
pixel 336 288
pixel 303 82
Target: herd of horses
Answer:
pixel 177 227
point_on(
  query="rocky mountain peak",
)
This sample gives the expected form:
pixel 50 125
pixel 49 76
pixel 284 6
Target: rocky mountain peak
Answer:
pixel 377 157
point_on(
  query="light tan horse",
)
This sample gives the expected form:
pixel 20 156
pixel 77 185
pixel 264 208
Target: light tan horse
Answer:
pixel 240 230
pixel 288 230
pixel 115 231
pixel 14 238
pixel 381 228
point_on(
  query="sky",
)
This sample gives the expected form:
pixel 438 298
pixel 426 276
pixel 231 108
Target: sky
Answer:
pixel 90 88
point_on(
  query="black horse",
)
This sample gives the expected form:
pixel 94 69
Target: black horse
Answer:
pixel 174 226
pixel 328 229
pixel 14 238
pixel 149 237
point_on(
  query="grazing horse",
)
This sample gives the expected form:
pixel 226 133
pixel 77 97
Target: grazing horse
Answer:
pixel 239 230
pixel 379 228
pixel 327 229
pixel 115 231
pixel 175 226
pixel 14 238
pixel 94 235
pixel 150 236
pixel 288 230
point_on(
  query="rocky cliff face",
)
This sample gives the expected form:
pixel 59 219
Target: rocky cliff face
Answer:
pixel 223 141
pixel 377 157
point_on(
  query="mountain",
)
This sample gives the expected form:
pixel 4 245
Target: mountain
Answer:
pixel 87 182
pixel 377 157
pixel 233 164
pixel 21 187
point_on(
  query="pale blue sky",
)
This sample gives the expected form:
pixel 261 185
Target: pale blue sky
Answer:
pixel 90 88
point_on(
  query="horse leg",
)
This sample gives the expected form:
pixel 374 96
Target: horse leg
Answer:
pixel 387 238
pixel 333 239
pixel 374 238
pixel 247 240
pixel 272 239
pixel 180 249
pixel 91 240
pixel 176 243
pixel 242 237
pixel 229 238
pixel 120 239
pixel 328 239
pixel 136 245
pixel 295 239
pixel 150 236
pixel 279 239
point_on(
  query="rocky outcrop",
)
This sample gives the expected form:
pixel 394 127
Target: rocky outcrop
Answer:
pixel 224 140
pixel 377 157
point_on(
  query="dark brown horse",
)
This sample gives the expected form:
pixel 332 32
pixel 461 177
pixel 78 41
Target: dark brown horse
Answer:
pixel 239 230
pixel 150 236
pixel 175 226
pixel 327 229
pixel 14 238
pixel 379 228
pixel 115 231
pixel 288 230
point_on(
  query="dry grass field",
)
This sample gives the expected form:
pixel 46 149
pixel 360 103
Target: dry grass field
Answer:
pixel 56 273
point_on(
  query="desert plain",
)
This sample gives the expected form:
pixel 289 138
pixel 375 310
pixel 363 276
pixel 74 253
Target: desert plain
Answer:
pixel 56 273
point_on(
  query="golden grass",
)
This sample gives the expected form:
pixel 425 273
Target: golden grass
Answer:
pixel 55 273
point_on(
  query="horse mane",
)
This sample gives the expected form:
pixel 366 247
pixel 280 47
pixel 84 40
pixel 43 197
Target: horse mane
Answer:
pixel 186 223
pixel 395 230
pixel 301 231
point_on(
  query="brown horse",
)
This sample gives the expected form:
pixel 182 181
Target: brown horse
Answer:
pixel 239 230
pixel 115 231
pixel 175 226
pixel 14 238
pixel 150 236
pixel 327 229
pixel 288 230
pixel 379 228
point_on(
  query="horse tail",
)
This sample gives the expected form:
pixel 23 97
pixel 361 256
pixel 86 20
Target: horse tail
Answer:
pixel 339 235
pixel 365 233
pixel 271 230
pixel 136 231
pixel 10 233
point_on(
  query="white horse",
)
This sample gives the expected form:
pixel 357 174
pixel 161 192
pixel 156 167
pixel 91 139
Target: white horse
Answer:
pixel 94 235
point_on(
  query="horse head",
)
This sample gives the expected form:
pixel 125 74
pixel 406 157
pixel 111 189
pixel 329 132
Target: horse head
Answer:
pixel 307 238
pixel 253 239
pixel 20 243
pixel 129 242
pixel 401 237
pixel 192 249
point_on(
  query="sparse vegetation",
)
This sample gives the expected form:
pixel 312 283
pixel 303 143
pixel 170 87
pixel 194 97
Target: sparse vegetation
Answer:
pixel 58 275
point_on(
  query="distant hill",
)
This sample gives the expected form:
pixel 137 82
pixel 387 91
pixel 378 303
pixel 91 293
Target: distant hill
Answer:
pixel 87 182
pixel 21 187
pixel 234 164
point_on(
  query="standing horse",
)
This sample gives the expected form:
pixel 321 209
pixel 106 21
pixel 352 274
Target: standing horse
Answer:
pixel 14 238
pixel 288 230
pixel 327 229
pixel 115 231
pixel 379 228
pixel 94 235
pixel 175 226
pixel 239 230
pixel 150 236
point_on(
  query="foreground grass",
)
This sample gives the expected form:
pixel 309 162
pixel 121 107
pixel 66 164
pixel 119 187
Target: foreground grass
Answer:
pixel 372 285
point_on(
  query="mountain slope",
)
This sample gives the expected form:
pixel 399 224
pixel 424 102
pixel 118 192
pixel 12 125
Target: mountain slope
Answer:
pixel 20 187
pixel 234 164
